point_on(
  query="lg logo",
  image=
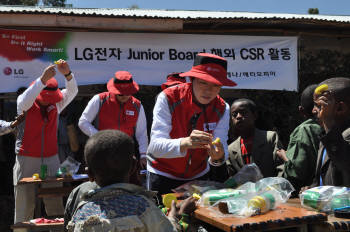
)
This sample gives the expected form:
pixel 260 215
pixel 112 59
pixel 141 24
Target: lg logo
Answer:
pixel 8 71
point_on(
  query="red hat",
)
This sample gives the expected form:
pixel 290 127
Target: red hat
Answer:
pixel 211 68
pixel 173 79
pixel 122 84
pixel 51 93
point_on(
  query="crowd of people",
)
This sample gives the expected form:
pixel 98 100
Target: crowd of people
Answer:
pixel 188 116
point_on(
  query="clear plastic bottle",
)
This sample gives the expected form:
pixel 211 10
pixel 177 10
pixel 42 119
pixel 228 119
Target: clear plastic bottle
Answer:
pixel 249 172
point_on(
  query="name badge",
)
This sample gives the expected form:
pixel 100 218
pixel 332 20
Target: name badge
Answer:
pixel 51 107
pixel 129 112
pixel 211 126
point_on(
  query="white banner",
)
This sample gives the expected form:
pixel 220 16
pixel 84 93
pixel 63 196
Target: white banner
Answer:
pixel 254 62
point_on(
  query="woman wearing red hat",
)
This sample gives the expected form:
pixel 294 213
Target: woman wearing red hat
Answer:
pixel 36 143
pixel 117 109
pixel 186 119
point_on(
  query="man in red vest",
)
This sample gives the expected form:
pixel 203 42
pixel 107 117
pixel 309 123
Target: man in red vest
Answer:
pixel 117 109
pixel 36 142
pixel 186 120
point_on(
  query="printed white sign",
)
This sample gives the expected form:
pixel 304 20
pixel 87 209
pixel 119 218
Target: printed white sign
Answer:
pixel 254 62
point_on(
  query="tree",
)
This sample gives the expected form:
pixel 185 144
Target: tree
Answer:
pixel 133 7
pixel 60 3
pixel 19 2
pixel 313 11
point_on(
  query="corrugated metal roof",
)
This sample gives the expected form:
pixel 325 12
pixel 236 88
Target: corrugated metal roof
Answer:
pixel 176 14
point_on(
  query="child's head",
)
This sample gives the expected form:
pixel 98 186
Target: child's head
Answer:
pixel 307 101
pixel 337 88
pixel 340 88
pixel 243 115
pixel 109 157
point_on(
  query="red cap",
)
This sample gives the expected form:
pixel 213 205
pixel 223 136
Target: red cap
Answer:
pixel 51 93
pixel 173 79
pixel 122 84
pixel 211 68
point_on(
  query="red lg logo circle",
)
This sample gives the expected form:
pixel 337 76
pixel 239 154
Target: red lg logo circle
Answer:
pixel 7 71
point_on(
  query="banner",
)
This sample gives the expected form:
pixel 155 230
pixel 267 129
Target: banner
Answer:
pixel 254 62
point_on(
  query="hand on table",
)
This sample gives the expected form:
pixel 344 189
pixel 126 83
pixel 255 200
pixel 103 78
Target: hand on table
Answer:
pixel 187 206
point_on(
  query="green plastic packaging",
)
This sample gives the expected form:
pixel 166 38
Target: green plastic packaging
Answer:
pixel 212 196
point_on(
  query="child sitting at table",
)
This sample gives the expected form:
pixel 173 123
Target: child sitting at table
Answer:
pixel 114 204
pixel 252 145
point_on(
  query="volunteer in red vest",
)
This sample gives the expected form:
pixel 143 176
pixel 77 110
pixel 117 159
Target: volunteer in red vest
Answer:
pixel 186 120
pixel 36 142
pixel 117 109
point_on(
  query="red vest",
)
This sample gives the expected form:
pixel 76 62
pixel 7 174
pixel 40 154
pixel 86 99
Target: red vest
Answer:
pixel 113 115
pixel 187 116
pixel 40 135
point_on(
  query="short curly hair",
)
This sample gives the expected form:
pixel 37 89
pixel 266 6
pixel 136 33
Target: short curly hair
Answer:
pixel 109 155
pixel 307 99
pixel 247 102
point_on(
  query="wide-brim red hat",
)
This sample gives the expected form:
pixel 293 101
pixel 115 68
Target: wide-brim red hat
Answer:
pixel 122 84
pixel 211 68
pixel 51 93
pixel 173 79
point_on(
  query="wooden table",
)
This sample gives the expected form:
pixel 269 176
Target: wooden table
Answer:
pixel 46 192
pixel 27 226
pixel 54 191
pixel 332 224
pixel 284 216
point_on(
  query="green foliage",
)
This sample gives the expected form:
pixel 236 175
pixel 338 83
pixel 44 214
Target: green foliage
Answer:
pixel 133 7
pixel 56 3
pixel 313 11
pixel 19 2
